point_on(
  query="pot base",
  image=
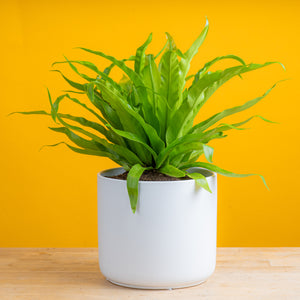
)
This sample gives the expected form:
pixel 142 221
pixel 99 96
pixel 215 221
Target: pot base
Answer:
pixel 179 286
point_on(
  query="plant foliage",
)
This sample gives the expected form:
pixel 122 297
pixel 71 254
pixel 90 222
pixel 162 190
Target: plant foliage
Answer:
pixel 146 120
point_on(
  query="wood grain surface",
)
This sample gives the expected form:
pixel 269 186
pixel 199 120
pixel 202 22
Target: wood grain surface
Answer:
pixel 73 273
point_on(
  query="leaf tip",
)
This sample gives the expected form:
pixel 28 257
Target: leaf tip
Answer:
pixel 282 65
pixel 264 181
pixel 49 96
pixel 206 22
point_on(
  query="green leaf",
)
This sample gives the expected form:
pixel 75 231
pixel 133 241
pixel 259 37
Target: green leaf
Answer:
pixel 54 106
pixel 219 135
pixel 220 171
pixel 208 152
pixel 91 152
pixel 52 145
pixel 126 84
pixel 161 51
pixel 111 116
pixel 181 150
pixel 189 138
pixel 133 178
pixel 152 80
pixel 84 76
pixel 74 92
pixel 75 100
pixel 172 171
pixel 170 42
pixel 225 126
pixel 133 137
pixel 198 94
pixel 34 112
pixel 210 134
pixel 92 67
pixel 120 162
pixel 90 91
pixel 217 117
pixel 130 73
pixel 140 55
pixel 131 117
pixel 189 54
pixel 169 82
pixel 170 77
pixel 101 129
pixel 76 139
pixel 110 67
pixel 74 84
pixel 108 134
pixel 203 70
pixel 200 180
pixel 190 157
pixel 128 117
pixel 192 51
pixel 148 114
pixel 117 150
pixel 231 126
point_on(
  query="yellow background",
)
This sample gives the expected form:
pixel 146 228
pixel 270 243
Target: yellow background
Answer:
pixel 48 198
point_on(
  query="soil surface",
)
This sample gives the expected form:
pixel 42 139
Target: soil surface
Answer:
pixel 151 175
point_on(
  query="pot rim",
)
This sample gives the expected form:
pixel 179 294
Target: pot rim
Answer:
pixel 101 175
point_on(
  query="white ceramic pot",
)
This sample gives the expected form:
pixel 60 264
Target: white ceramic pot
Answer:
pixel 170 242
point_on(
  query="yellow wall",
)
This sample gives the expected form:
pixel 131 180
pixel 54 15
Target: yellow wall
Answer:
pixel 48 198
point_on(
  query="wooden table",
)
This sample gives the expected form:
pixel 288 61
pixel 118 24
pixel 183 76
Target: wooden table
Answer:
pixel 56 273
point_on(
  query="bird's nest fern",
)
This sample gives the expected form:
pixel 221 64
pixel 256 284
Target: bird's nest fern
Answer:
pixel 146 120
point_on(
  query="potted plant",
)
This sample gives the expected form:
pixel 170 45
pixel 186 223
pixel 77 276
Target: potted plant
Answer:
pixel 156 213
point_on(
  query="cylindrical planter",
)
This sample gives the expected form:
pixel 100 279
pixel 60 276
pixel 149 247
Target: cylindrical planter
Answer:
pixel 170 242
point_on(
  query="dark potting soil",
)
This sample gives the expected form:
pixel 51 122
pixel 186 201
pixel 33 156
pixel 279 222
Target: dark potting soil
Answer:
pixel 151 175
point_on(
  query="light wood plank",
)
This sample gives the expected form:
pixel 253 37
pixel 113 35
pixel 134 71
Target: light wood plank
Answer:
pixel 54 273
